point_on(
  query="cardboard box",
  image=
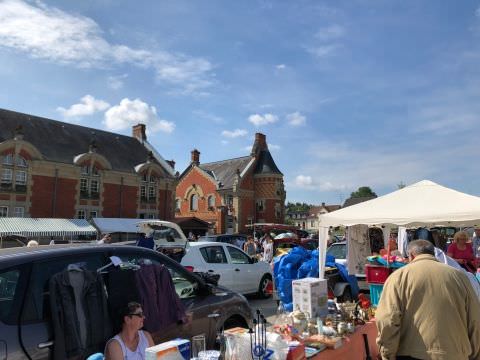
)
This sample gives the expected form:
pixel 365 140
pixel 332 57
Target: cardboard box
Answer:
pixel 310 295
pixel 178 349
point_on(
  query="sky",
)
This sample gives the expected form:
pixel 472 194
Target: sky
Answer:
pixel 349 93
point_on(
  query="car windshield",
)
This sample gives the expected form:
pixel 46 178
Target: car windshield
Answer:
pixel 338 251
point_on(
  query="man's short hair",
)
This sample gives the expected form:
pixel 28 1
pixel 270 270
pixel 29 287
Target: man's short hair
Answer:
pixel 419 247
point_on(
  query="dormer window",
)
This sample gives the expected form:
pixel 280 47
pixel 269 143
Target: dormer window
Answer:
pixel 89 182
pixel 148 188
pixel 194 202
pixel 13 174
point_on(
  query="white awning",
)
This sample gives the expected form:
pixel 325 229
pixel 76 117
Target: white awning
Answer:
pixel 116 225
pixel 45 227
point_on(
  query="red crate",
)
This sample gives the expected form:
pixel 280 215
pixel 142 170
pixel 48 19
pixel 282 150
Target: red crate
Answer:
pixel 377 274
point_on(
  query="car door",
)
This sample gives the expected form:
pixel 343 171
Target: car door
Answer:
pixel 246 273
pixel 36 327
pixel 201 311
pixel 214 260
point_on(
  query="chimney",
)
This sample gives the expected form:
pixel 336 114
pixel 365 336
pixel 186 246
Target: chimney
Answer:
pixel 259 144
pixel 171 163
pixel 195 157
pixel 138 132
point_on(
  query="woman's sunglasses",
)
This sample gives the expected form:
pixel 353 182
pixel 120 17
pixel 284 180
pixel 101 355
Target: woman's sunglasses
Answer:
pixel 140 314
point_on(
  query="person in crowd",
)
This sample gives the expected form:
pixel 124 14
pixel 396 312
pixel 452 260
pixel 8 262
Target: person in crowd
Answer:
pixel 130 343
pixel 32 243
pixel 428 310
pixel 268 248
pixel 106 239
pixel 476 245
pixel 250 247
pixel 144 241
pixel 462 251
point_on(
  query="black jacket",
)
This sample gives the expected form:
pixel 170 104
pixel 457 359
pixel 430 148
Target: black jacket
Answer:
pixel 68 324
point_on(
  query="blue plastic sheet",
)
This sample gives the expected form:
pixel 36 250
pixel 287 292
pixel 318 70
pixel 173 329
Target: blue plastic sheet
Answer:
pixel 300 263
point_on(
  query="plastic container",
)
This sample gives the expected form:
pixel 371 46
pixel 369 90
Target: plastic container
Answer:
pixel 375 293
pixel 377 274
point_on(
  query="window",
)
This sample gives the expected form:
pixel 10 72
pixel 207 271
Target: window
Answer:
pixel 211 202
pixel 3 211
pixel 93 186
pixel 85 170
pixel 89 182
pixel 238 257
pixel 37 300
pixel 278 210
pixel 194 202
pixel 93 214
pixel 8 285
pixel 83 185
pixel 20 178
pixel 19 211
pixel 81 214
pixel 8 160
pixel 20 161
pixel 213 255
pixel 178 204
pixel 260 205
pixel 148 188
pixel 7 176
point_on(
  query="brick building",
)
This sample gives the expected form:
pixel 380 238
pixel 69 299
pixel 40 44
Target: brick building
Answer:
pixel 232 193
pixel 54 169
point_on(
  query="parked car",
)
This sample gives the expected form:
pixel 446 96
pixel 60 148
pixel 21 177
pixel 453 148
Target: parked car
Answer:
pixel 25 320
pixel 233 239
pixel 238 271
pixel 339 251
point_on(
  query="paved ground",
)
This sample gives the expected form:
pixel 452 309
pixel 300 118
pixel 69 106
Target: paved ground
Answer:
pixel 268 307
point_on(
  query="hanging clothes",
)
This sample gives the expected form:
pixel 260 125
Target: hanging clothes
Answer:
pixel 81 323
pixel 358 248
pixel 160 302
pixel 122 289
pixel 402 241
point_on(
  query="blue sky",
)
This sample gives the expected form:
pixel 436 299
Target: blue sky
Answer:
pixel 349 93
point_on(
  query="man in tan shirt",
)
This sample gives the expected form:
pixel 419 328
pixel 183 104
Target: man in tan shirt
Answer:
pixel 428 310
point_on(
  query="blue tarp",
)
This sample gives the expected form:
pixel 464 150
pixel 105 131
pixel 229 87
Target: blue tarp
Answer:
pixel 300 263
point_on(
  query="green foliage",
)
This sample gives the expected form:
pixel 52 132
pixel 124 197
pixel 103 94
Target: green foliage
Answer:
pixel 297 207
pixel 363 191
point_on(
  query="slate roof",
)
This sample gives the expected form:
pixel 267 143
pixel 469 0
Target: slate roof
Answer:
pixel 61 142
pixel 225 170
pixel 265 164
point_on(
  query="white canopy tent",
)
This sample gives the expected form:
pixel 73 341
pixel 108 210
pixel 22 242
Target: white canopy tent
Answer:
pixel 422 204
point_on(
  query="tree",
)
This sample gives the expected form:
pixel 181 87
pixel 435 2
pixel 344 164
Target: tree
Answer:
pixel 363 191
pixel 401 185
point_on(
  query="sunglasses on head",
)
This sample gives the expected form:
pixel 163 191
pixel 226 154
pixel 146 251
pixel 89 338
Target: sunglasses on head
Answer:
pixel 139 314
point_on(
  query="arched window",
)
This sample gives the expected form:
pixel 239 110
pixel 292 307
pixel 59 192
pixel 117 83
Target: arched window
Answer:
pixel 211 202
pixel 194 202
pixel 148 188
pixel 14 173
pixel 178 204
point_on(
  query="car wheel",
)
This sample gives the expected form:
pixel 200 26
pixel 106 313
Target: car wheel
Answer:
pixel 262 287
pixel 346 296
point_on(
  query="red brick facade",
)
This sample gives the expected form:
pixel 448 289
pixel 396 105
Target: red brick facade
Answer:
pixel 253 196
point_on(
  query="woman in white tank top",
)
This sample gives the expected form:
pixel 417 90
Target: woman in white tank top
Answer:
pixel 131 342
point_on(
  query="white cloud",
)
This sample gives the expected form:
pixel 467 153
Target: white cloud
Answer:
pixel 281 67
pixel 208 116
pixel 272 147
pixel 303 181
pixel 46 32
pixel 296 119
pixel 331 32
pixel 307 182
pixel 132 112
pixel 324 50
pixel 259 120
pixel 234 134
pixel 116 82
pixel 88 106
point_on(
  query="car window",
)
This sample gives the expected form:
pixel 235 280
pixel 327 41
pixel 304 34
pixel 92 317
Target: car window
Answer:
pixel 338 251
pixel 8 285
pixel 185 287
pixel 213 254
pixel 238 257
pixel 37 301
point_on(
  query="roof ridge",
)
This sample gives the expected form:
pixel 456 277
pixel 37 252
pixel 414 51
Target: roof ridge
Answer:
pixel 63 122
pixel 237 158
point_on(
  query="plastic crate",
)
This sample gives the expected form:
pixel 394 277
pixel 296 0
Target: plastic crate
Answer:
pixel 375 293
pixel 377 274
